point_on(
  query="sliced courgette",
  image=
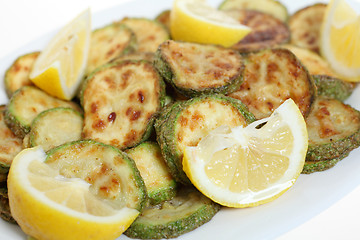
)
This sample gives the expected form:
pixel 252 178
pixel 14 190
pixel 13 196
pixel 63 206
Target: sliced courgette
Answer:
pixel 10 145
pixel 333 87
pixel 305 26
pixel 184 123
pixel 120 103
pixel 333 128
pixel 170 219
pixel 272 7
pixel 266 30
pixel 159 183
pixel 17 74
pixel 164 18
pixel 319 166
pixel 108 43
pixel 194 69
pixel 56 126
pixel 5 213
pixel 271 76
pixel 149 33
pixel 112 173
pixel 25 104
pixel 149 56
pixel 315 64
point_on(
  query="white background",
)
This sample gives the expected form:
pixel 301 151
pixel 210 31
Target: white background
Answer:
pixel 22 21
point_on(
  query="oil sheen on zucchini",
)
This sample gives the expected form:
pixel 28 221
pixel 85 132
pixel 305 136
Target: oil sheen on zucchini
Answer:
pixel 159 183
pixel 170 219
pixel 112 173
pixel 272 76
pixel 55 126
pixel 17 75
pixel 333 128
pixel 194 69
pixel 25 104
pixel 184 123
pixel 108 43
pixel 120 102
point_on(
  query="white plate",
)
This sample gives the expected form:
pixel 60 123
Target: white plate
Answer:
pixel 310 195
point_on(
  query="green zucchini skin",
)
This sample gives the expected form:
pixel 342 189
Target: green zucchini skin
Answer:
pixel 194 69
pixel 170 219
pixel 25 104
pixel 272 76
pixel 10 146
pixel 333 87
pixel 334 130
pixel 121 101
pixel 17 75
pixel 112 173
pixel 184 123
pixel 318 166
pixel 159 183
pixel 56 126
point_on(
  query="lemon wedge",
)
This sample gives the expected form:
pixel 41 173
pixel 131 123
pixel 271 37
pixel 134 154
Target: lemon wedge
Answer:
pixel 196 21
pixel 60 66
pixel 248 166
pixel 340 38
pixel 47 205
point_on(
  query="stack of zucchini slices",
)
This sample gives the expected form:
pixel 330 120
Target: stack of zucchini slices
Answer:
pixel 145 97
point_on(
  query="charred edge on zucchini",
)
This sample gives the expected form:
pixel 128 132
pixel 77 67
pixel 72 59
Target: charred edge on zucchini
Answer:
pixel 149 33
pixel 195 69
pixel 109 42
pixel 271 76
pixel 305 25
pixel 333 87
pixel 170 219
pixel 334 129
pixel 55 126
pixel 266 30
pixel 113 175
pixel 17 75
pixel 159 183
pixel 184 123
pixel 121 101
pixel 10 145
pixel 25 104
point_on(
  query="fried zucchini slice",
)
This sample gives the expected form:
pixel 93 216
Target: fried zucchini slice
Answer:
pixel 111 172
pixel 315 64
pixel 108 43
pixel 319 166
pixel 194 69
pixel 333 87
pixel 164 18
pixel 272 7
pixel 305 25
pixel 17 75
pixel 159 183
pixel 266 30
pixel 170 219
pixel 149 56
pixel 5 213
pixel 149 33
pixel 10 145
pixel 333 128
pixel 272 76
pixel 25 104
pixel 120 102
pixel 185 123
pixel 56 126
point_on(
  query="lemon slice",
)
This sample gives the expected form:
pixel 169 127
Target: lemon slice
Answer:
pixel 47 205
pixel 196 21
pixel 244 167
pixel 340 38
pixel 60 67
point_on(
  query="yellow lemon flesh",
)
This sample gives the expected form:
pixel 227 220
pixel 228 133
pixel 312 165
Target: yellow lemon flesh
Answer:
pixel 60 67
pixel 47 205
pixel 243 167
pixel 195 21
pixel 340 39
